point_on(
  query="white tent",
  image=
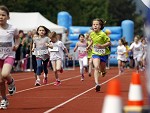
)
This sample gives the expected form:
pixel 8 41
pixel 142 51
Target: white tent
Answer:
pixel 30 21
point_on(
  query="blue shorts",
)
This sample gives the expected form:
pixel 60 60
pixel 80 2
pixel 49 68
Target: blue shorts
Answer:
pixel 102 58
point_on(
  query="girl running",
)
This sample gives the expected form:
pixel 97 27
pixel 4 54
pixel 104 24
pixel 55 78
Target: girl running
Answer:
pixel 100 51
pixel 82 54
pixel 137 49
pixel 121 55
pixel 41 43
pixel 56 56
pixel 7 55
pixel 90 64
pixel 144 44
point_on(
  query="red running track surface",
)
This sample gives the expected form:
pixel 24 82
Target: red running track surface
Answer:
pixel 72 96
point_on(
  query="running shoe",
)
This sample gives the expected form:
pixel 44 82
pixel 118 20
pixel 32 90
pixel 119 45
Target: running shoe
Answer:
pixel 4 103
pixel 12 87
pixel 97 88
pixel 37 83
pixel 57 83
pixel 82 77
pixel 45 80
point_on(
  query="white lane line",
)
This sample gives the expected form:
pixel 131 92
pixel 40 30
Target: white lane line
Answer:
pixel 44 85
pixel 71 99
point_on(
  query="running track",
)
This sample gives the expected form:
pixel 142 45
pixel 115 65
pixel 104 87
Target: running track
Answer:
pixel 72 96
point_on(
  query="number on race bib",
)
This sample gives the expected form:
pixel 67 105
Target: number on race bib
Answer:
pixel 5 50
pixel 100 51
pixel 40 52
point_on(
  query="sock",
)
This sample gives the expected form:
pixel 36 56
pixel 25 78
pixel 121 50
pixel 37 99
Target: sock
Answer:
pixel 97 84
pixel 10 82
pixel 81 71
pixel 38 77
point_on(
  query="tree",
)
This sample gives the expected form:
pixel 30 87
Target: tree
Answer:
pixel 82 11
pixel 120 10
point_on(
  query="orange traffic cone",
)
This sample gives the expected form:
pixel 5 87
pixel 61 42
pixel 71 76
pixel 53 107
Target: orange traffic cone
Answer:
pixel 135 97
pixel 112 101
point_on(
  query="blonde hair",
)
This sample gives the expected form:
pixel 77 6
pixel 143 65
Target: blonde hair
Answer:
pixel 53 34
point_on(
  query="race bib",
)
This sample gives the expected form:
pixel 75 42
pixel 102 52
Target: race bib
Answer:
pixel 40 52
pixel 5 50
pixel 5 47
pixel 81 49
pixel 55 49
pixel 100 51
pixel 137 49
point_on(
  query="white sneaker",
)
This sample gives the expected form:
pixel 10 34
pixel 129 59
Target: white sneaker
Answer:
pixel 37 82
pixel 4 103
pixel 12 88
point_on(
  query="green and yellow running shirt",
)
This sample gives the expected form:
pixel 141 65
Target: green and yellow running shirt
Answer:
pixel 99 38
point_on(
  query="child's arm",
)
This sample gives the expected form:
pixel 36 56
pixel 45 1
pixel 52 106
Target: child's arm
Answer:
pixel 49 45
pixel 17 43
pixel 66 51
pixel 91 43
pixel 33 46
pixel 76 47
pixel 107 44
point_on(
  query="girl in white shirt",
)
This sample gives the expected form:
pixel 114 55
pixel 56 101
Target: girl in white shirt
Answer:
pixel 7 55
pixel 121 55
pixel 56 56
pixel 137 49
pixel 144 44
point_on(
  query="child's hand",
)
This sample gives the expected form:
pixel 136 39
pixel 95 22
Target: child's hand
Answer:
pixel 14 48
pixel 27 55
pixel 69 56
pixel 47 44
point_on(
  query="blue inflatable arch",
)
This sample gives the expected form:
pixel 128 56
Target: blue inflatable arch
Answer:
pixel 125 30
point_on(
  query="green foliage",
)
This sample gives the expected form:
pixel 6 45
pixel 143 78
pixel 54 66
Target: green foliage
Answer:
pixel 82 11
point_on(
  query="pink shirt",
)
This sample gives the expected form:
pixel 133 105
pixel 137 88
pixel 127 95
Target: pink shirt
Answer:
pixel 82 49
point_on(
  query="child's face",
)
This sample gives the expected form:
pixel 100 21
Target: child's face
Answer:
pixel 21 35
pixel 120 43
pixel 144 41
pixel 41 31
pixel 136 39
pixel 96 26
pixel 81 38
pixel 3 17
pixel 54 39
